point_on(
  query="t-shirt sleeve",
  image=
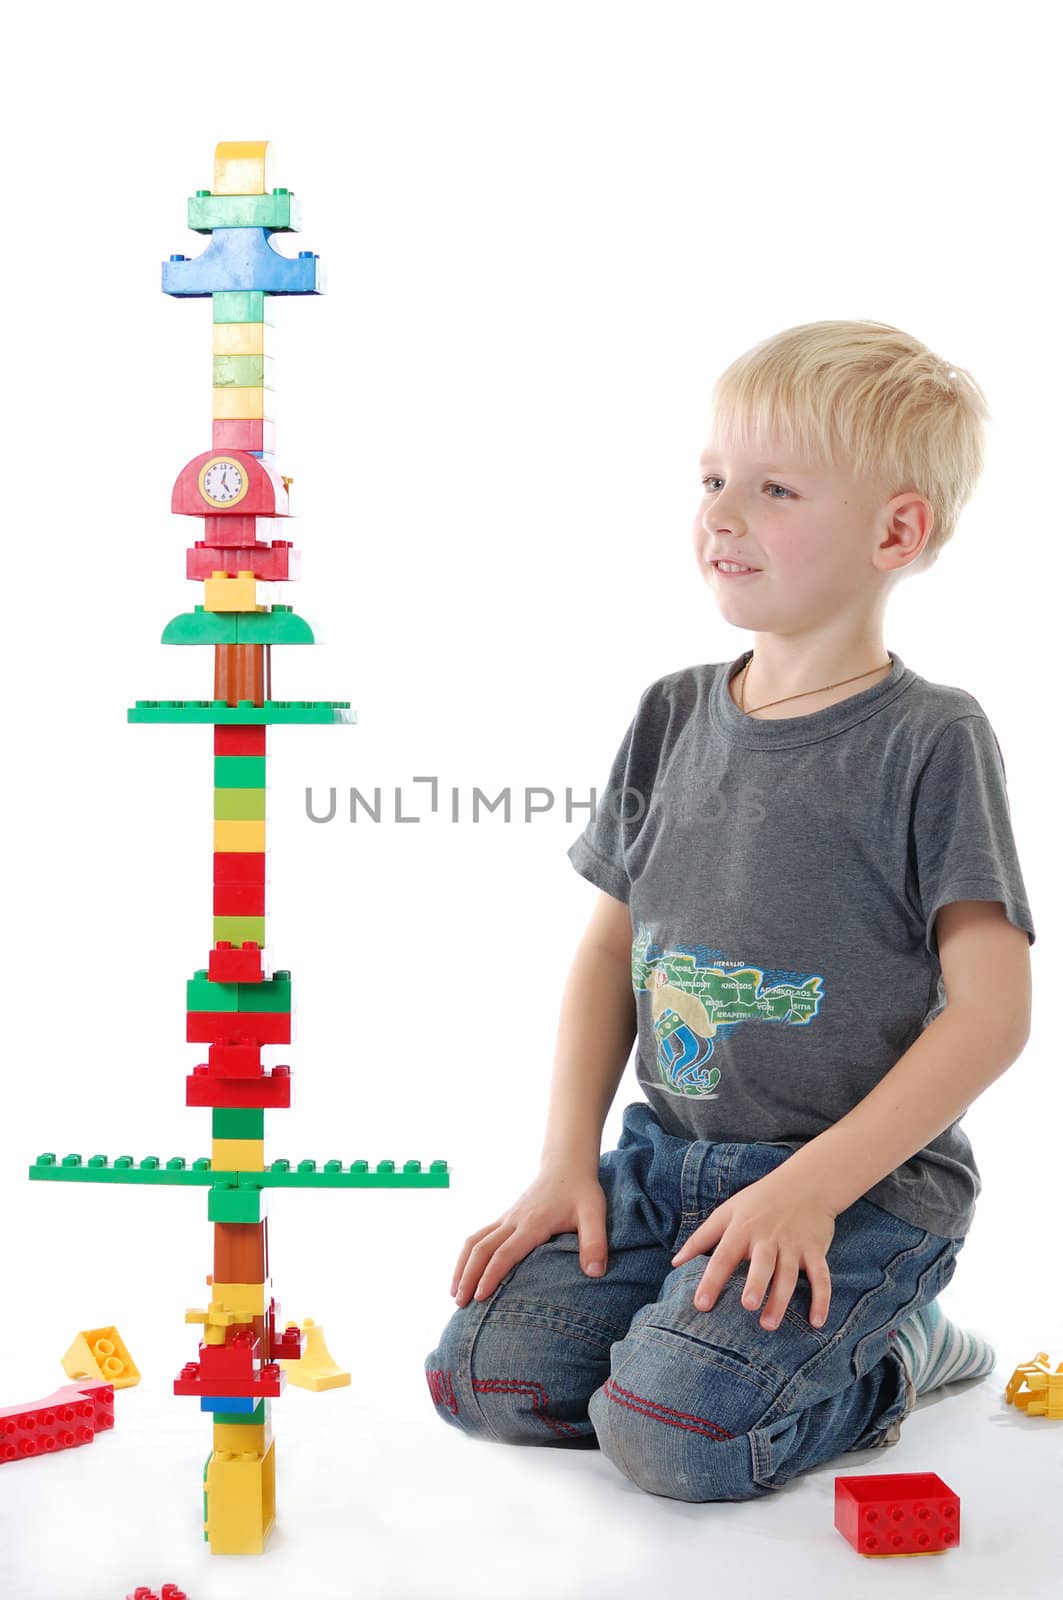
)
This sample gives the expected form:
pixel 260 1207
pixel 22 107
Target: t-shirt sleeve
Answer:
pixel 961 835
pixel 600 851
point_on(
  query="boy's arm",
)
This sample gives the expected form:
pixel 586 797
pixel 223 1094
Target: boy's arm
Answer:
pixel 985 962
pixel 597 1027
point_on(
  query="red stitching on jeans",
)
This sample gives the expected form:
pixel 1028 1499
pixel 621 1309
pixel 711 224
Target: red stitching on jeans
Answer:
pixel 522 1386
pixel 441 1389
pixel 653 1408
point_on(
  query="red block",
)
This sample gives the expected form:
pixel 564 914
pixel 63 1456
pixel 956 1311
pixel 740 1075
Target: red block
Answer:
pixel 897 1513
pixel 71 1416
pixel 239 1027
pixel 265 1384
pixel 169 1591
pixel 239 866
pixel 227 964
pixel 239 739
pixel 233 529
pixel 272 563
pixel 288 1346
pixel 270 1092
pixel 233 1361
pixel 234 1060
pixel 244 433
pixel 239 900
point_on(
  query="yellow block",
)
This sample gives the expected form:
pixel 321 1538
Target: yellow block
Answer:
pixel 239 402
pixel 249 836
pixel 237 1438
pixel 250 1297
pixel 216 1319
pixel 237 1155
pixel 243 339
pixel 243 166
pixel 100 1353
pixel 224 593
pixel 241 1499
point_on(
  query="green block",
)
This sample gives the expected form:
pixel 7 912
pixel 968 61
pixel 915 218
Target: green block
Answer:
pixel 231 1204
pixel 239 772
pixel 278 625
pixel 243 372
pixel 244 712
pixel 244 305
pixel 201 627
pixel 236 1123
pixel 275 994
pixel 240 930
pixel 239 805
pixel 72 1169
pixel 252 1418
pixel 201 994
pixel 280 212
pixel 333 1175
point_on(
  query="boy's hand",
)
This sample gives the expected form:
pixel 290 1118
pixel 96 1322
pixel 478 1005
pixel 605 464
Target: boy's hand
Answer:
pixel 779 1226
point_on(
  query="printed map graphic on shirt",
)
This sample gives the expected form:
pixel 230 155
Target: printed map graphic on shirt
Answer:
pixel 692 1003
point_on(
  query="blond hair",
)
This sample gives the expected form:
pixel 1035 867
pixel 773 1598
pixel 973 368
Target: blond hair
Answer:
pixel 866 397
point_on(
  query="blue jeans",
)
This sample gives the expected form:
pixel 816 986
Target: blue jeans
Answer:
pixel 697 1405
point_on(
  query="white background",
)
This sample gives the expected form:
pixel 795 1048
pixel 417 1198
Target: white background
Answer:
pixel 546 228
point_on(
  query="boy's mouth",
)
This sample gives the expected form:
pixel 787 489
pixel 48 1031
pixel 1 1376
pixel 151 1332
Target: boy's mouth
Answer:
pixel 733 569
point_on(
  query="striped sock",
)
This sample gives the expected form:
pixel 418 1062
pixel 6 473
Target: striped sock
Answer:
pixel 935 1351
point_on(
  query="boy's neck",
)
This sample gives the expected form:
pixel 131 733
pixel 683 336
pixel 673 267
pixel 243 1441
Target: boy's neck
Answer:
pixel 774 675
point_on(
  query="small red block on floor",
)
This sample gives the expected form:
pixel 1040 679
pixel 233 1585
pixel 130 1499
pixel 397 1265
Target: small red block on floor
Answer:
pixel 897 1513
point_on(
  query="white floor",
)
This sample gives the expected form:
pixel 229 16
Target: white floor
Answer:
pixel 377 1497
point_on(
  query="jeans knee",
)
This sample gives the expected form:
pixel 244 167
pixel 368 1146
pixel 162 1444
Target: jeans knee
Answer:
pixel 669 1451
pixel 443 1375
pixel 513 1393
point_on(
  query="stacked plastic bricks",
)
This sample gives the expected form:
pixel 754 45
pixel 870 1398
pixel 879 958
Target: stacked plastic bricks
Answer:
pixel 235 1007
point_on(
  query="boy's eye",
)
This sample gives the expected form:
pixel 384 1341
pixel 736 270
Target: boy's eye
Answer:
pixel 708 482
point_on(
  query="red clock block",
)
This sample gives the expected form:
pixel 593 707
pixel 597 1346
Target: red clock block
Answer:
pixel 229 483
pixel 897 1513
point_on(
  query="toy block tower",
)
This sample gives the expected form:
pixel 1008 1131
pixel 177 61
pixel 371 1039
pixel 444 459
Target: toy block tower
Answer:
pixel 234 1006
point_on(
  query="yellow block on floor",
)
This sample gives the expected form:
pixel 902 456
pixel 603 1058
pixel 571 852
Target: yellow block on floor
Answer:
pixel 100 1353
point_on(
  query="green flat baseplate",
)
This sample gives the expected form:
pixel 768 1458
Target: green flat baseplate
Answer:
pixel 244 711
pixel 278 1175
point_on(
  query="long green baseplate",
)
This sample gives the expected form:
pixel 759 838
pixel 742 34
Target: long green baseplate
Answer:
pixel 243 712
pixel 278 1175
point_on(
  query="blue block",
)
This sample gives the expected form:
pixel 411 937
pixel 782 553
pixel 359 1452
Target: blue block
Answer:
pixel 243 258
pixel 213 1402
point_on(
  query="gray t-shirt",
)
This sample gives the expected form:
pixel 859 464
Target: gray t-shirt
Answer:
pixel 783 877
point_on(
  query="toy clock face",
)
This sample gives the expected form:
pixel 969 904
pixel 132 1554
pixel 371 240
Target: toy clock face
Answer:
pixel 223 481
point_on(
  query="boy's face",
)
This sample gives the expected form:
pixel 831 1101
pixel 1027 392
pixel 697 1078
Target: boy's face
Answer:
pixel 822 540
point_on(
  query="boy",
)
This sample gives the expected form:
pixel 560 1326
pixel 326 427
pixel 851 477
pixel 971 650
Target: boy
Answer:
pixel 800 856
